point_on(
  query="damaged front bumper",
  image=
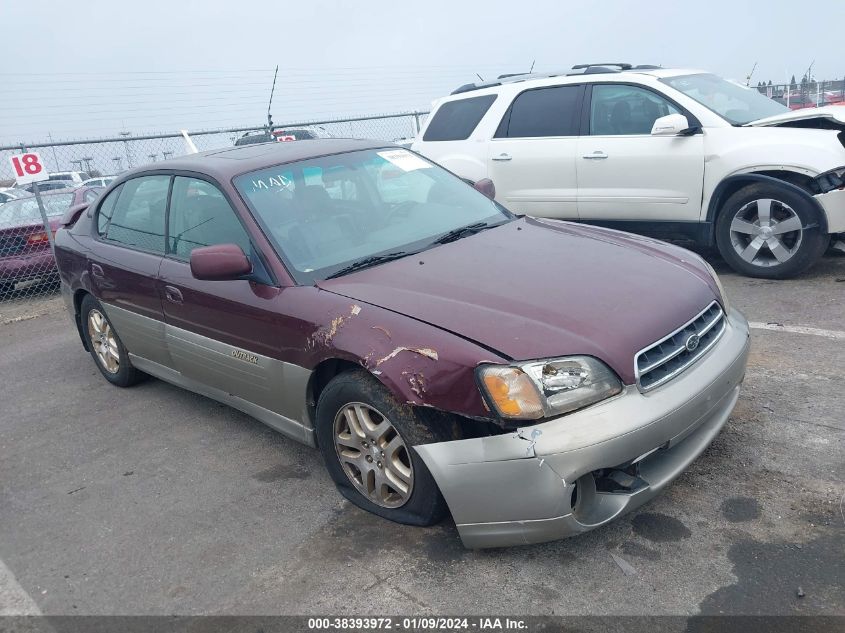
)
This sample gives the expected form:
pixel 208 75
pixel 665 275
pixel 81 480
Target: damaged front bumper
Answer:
pixel 833 203
pixel 582 470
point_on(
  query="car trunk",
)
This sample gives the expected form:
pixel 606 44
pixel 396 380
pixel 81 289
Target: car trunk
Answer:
pixel 21 240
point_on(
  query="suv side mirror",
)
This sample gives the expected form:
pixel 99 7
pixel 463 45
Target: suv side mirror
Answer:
pixel 486 186
pixel 670 125
pixel 219 262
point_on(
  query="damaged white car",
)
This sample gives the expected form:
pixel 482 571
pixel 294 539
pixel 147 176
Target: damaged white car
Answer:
pixel 676 154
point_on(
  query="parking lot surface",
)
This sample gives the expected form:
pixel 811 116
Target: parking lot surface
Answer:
pixel 153 500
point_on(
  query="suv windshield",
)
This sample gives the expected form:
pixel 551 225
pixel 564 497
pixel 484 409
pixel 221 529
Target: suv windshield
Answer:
pixel 734 103
pixel 332 213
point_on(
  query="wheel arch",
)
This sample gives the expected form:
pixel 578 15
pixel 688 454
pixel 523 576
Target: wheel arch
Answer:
pixel 460 426
pixel 796 182
pixel 320 378
pixel 78 297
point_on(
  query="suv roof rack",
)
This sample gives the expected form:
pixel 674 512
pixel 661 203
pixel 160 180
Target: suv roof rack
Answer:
pixel 620 65
pixel 507 79
pixel 586 69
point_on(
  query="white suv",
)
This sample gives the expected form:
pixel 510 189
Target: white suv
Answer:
pixel 677 154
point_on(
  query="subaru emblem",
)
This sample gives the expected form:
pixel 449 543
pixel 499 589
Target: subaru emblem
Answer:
pixel 692 343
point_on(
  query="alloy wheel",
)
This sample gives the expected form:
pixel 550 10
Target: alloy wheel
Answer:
pixel 373 455
pixel 766 232
pixel 104 342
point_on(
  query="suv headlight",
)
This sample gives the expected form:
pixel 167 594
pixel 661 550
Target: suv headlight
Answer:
pixel 546 388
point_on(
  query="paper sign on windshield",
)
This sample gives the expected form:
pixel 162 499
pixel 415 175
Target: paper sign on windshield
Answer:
pixel 404 160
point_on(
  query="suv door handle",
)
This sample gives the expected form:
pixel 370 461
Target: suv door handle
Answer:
pixel 502 156
pixel 597 155
pixel 172 294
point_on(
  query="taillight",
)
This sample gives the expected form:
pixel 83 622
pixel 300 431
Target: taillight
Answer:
pixel 34 239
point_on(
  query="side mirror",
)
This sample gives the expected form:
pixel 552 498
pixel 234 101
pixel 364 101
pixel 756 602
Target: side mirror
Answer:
pixel 219 262
pixel 486 186
pixel 670 125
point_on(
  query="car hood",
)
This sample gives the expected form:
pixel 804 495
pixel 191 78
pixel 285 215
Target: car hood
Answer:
pixel 833 114
pixel 542 288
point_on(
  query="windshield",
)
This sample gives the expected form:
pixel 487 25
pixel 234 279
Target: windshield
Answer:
pixel 25 210
pixel 734 103
pixel 327 213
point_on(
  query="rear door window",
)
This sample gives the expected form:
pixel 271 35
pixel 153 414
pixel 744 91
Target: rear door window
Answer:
pixel 455 120
pixel 107 210
pixel 137 217
pixel 553 111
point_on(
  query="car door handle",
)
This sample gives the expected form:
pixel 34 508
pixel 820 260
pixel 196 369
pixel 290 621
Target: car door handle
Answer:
pixel 173 295
pixel 502 156
pixel 597 155
pixel 97 271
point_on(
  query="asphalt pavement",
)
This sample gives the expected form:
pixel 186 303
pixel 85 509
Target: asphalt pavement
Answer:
pixel 153 500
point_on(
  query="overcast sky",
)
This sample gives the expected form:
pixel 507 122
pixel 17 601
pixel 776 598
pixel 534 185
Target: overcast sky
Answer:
pixel 94 68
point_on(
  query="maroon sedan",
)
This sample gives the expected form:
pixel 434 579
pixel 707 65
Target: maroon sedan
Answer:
pixel 536 378
pixel 24 245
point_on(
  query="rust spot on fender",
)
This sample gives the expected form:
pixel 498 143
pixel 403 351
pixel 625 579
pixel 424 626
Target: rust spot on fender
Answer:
pixel 325 334
pixel 417 383
pixel 381 328
pixel 422 351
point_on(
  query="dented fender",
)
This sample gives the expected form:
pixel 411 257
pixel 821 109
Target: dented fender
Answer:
pixel 419 363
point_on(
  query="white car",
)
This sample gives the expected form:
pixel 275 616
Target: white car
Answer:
pixel 77 177
pixel 676 154
pixel 7 194
pixel 102 181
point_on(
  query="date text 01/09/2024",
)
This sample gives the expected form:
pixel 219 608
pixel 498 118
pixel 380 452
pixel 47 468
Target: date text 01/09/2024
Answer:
pixel 417 623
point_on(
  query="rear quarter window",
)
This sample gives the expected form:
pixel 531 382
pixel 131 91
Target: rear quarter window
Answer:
pixel 539 112
pixel 455 120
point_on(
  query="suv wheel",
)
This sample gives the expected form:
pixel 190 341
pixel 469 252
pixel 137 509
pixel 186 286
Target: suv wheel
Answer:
pixel 105 346
pixel 769 231
pixel 366 438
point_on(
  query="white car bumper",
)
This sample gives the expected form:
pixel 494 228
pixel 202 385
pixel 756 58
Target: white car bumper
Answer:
pixel 833 203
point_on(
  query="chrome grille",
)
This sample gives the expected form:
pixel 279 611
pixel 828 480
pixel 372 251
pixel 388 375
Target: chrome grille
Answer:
pixel 659 363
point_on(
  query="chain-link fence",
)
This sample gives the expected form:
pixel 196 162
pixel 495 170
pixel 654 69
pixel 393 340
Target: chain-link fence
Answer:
pixel 80 169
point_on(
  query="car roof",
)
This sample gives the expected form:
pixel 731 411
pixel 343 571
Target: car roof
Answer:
pixel 591 74
pixel 226 163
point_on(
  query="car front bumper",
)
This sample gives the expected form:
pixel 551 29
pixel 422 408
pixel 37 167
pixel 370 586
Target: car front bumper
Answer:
pixel 517 488
pixel 833 203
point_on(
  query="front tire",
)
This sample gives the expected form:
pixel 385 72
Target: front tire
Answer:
pixel 366 438
pixel 769 231
pixel 105 346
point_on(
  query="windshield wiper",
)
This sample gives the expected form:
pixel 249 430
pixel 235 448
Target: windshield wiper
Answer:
pixel 456 234
pixel 367 262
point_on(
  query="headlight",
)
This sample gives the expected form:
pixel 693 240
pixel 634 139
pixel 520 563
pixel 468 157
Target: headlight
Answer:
pixel 546 388
pixel 722 295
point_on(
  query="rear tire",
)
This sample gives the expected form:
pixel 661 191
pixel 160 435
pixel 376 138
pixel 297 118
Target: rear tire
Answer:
pixel 105 345
pixel 366 438
pixel 769 231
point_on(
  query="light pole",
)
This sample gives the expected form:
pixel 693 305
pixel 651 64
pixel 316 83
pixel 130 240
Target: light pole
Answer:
pixel 167 155
pixel 87 160
pixel 77 163
pixel 153 157
pixel 125 136
pixel 53 147
pixel 118 160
